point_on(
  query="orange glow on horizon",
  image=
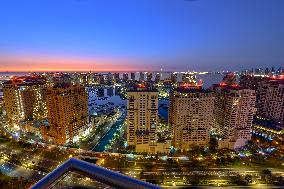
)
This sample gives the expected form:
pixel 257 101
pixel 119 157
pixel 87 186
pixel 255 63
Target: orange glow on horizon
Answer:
pixel 56 64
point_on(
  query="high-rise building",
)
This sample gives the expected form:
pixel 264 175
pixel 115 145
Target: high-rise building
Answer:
pixel 116 77
pixel 24 99
pixel 132 76
pixel 188 77
pixel 191 116
pixel 141 76
pixel 250 81
pixel 270 99
pixel 173 77
pixel 142 117
pixel 157 77
pixel 149 76
pixel 125 77
pixel 230 79
pixel 67 112
pixel 109 79
pixel 233 114
pixel 101 79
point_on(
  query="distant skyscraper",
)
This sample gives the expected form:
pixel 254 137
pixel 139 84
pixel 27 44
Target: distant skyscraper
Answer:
pixel 116 77
pixel 142 117
pixel 233 114
pixel 230 79
pixel 101 79
pixel 189 78
pixel 132 76
pixel 24 99
pixel 84 79
pixel 191 116
pixel 109 79
pixel 141 76
pixel 67 112
pixel 173 77
pixel 157 77
pixel 125 77
pixel 251 82
pixel 149 76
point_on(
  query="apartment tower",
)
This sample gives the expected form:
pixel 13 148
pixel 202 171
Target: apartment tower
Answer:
pixel 190 116
pixel 67 112
pixel 142 117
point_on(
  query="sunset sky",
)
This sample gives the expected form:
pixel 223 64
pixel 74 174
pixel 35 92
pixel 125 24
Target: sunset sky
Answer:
pixel 130 35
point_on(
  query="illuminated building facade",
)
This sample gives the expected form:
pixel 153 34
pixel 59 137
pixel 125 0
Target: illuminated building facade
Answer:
pixel 149 76
pixel 141 76
pixel 173 77
pixel 158 77
pixel 188 77
pixel 24 99
pixel 132 76
pixel 191 116
pixel 142 117
pixel 67 112
pixel 270 101
pixel 109 79
pixel 125 77
pixel 116 77
pixel 233 114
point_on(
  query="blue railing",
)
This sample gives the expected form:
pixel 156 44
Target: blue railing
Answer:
pixel 100 174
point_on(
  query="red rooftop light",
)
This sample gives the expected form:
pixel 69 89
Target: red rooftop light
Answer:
pixel 222 83
pixel 141 85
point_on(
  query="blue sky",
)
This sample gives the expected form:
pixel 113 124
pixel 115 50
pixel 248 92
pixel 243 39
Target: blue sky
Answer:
pixel 142 34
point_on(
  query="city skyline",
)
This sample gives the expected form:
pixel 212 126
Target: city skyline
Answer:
pixel 84 35
pixel 141 94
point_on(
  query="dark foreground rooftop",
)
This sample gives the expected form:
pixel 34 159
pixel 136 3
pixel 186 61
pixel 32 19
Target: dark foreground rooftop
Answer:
pixel 76 173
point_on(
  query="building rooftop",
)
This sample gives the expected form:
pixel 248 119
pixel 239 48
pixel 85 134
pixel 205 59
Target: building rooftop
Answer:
pixel 142 88
pixel 75 173
pixel 191 90
pixel 228 87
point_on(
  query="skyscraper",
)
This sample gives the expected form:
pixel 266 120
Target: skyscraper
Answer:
pixel 234 109
pixel 157 77
pixel 109 79
pixel 24 99
pixel 141 76
pixel 142 117
pixel 173 77
pixel 132 76
pixel 116 77
pixel 270 101
pixel 149 76
pixel 67 112
pixel 191 116
pixel 125 77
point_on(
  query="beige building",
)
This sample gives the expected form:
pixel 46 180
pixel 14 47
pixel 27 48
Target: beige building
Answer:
pixel 233 114
pixel 270 101
pixel 67 112
pixel 24 99
pixel 142 117
pixel 191 117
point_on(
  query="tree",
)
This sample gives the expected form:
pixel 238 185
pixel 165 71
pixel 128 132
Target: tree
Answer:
pixel 213 145
pixel 280 181
pixel 266 176
pixel 248 179
pixel 194 180
pixel 238 180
